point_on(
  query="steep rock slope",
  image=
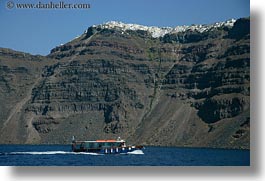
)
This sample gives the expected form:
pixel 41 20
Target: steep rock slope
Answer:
pixel 183 86
pixel 19 74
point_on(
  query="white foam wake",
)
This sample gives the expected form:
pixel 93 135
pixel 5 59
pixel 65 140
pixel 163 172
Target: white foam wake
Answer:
pixel 52 153
pixel 136 152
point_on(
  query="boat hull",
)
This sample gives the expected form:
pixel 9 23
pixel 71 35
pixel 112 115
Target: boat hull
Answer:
pixel 103 146
pixel 117 150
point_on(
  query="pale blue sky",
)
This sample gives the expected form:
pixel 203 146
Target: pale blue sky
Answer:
pixel 38 31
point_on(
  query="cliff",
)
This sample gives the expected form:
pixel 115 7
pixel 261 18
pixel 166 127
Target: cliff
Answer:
pixel 183 86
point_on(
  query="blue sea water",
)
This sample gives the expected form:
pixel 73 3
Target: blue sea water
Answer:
pixel 61 155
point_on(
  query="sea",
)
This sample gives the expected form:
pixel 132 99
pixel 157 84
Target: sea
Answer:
pixel 61 155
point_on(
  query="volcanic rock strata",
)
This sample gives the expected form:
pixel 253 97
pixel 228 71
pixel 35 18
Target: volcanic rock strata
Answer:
pixel 183 86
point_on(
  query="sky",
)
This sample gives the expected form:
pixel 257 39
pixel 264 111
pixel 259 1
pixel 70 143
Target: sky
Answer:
pixel 37 31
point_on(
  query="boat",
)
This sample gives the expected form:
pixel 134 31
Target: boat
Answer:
pixel 104 146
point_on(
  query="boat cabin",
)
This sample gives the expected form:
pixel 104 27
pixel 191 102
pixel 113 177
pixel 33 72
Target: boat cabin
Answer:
pixel 95 146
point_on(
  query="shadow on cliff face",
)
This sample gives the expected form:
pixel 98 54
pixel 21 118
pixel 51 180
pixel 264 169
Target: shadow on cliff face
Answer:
pixel 212 110
pixel 240 29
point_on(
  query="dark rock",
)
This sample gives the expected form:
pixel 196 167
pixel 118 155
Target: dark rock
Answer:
pixel 241 29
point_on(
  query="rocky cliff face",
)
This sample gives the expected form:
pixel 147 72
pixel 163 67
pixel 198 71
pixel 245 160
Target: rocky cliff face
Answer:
pixel 187 86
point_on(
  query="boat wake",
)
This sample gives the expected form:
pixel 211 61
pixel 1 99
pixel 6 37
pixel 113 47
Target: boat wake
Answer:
pixel 51 153
pixel 136 152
